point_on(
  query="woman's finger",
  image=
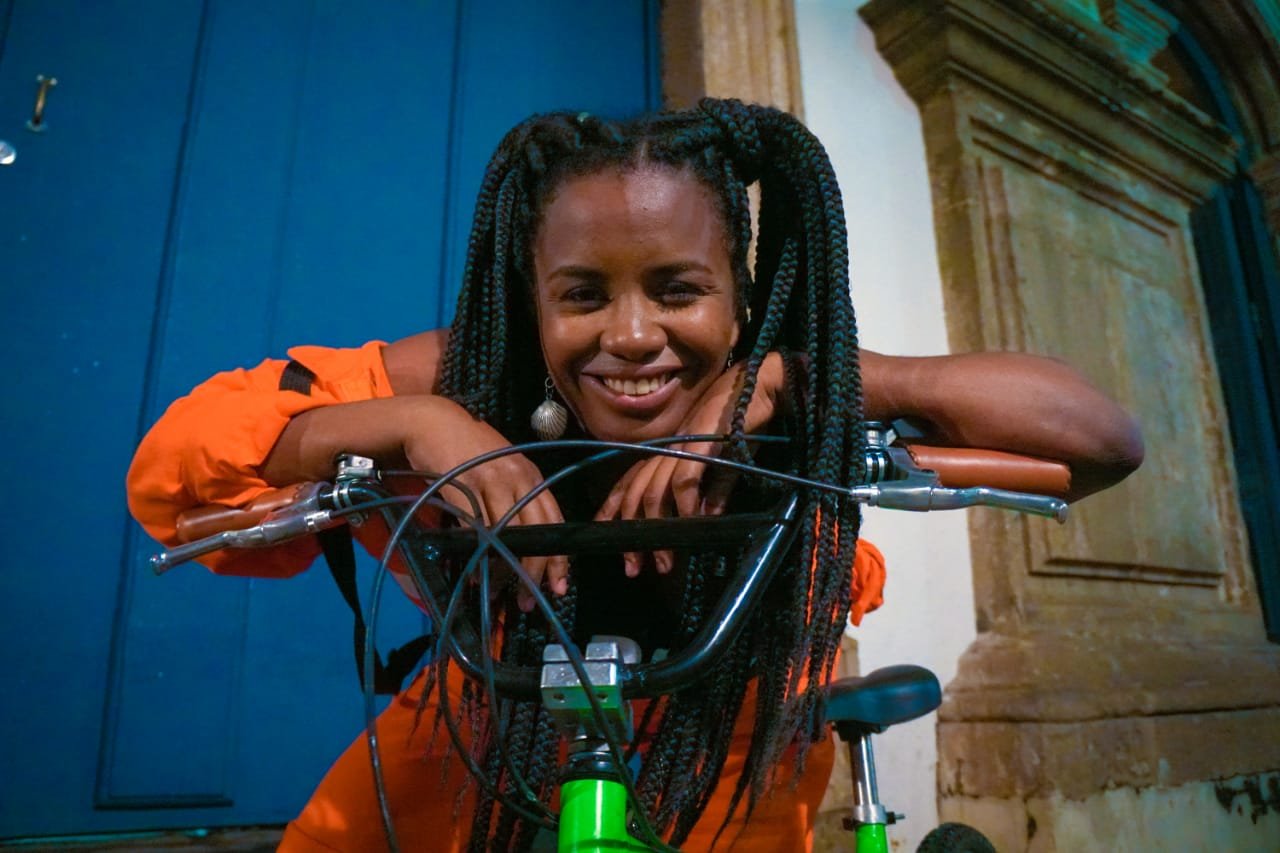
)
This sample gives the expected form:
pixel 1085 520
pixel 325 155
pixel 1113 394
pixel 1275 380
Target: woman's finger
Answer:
pixel 656 499
pixel 496 506
pixel 686 486
pixel 609 510
pixel 557 566
pixel 633 497
pixel 628 502
pixel 554 569
pixel 717 486
pixel 613 501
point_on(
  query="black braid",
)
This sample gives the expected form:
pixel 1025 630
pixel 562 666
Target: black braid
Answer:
pixel 797 300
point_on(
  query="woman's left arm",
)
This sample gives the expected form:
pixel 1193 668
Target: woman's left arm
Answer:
pixel 1008 401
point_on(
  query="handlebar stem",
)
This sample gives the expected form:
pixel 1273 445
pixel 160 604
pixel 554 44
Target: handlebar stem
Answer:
pixel 564 693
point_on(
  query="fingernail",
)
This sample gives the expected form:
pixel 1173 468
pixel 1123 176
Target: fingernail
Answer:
pixel 631 566
pixel 664 563
pixel 562 586
pixel 525 602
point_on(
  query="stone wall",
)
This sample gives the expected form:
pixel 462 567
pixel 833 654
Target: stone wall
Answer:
pixel 1124 652
pixel 1121 693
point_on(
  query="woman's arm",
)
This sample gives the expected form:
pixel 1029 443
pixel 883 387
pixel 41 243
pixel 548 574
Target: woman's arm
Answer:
pixel 414 364
pixel 1009 401
pixel 240 433
pixel 208 447
pixel 378 428
pixel 418 429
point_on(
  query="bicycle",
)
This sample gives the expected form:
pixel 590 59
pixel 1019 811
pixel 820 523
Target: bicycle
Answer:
pixel 587 691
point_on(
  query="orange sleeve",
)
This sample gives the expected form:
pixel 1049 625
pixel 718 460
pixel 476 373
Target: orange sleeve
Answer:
pixel 868 581
pixel 208 446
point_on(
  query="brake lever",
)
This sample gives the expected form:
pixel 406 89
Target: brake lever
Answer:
pixel 307 515
pixel 921 495
pixel 898 483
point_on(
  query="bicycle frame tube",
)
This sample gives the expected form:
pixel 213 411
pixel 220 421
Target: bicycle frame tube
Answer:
pixel 593 818
pixel 871 838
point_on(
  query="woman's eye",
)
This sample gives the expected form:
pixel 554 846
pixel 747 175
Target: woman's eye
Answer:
pixel 679 293
pixel 586 294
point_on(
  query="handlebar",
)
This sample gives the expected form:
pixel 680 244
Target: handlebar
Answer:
pixel 913 477
pixel 896 479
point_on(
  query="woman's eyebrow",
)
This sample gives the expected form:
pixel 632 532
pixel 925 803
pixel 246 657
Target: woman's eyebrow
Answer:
pixel 583 272
pixel 577 271
pixel 679 267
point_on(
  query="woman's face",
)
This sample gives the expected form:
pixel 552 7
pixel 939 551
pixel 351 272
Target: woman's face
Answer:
pixel 635 296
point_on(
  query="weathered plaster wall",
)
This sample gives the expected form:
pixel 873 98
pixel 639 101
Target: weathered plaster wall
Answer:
pixel 872 132
pixel 1120 694
pixel 1120 661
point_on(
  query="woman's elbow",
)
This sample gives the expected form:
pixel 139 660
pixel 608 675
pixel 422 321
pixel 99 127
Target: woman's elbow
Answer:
pixel 1116 452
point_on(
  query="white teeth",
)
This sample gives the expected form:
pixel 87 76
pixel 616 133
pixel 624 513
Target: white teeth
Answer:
pixel 636 387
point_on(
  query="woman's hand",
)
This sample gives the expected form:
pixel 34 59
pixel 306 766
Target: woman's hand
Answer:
pixel 662 486
pixel 429 433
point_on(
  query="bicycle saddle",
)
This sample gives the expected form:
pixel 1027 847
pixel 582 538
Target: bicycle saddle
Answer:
pixel 882 698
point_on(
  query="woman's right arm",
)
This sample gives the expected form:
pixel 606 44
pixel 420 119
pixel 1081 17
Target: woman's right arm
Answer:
pixel 239 434
pixel 377 428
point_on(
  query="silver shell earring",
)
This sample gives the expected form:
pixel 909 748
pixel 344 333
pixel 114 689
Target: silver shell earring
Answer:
pixel 550 418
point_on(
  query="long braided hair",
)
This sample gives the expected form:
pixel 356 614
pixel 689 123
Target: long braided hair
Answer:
pixel 797 301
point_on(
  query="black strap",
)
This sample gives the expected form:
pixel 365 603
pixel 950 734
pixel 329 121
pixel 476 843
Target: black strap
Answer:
pixel 297 377
pixel 340 554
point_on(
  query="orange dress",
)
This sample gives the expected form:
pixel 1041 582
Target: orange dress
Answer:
pixel 207 449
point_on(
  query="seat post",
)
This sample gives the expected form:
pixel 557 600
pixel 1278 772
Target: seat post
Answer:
pixel 867 808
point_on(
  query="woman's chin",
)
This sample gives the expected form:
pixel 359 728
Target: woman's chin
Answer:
pixel 632 433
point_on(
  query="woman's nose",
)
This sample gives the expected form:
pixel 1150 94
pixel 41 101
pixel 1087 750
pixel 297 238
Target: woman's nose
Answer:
pixel 633 330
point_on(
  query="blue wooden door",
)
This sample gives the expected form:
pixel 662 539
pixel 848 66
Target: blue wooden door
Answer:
pixel 214 182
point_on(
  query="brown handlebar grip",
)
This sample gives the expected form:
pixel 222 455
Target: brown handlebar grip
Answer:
pixel 208 520
pixel 964 467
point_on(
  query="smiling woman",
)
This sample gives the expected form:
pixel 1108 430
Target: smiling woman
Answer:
pixel 612 258
pixel 637 313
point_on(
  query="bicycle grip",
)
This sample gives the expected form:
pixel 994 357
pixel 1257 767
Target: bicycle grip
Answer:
pixel 968 467
pixel 203 521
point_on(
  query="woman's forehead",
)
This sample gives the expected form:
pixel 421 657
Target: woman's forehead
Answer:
pixel 640 205
pixel 637 191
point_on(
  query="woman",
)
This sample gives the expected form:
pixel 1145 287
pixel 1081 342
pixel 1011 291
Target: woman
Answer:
pixel 619 253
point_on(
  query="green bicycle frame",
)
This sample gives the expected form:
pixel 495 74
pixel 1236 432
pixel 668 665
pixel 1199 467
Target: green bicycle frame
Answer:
pixel 593 818
pixel 871 838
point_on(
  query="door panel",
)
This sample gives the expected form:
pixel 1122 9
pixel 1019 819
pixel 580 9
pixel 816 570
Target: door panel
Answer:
pixel 534 63
pixel 214 307
pixel 219 180
pixel 84 210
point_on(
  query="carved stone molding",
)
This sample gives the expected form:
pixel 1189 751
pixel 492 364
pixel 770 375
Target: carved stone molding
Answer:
pixel 1064 173
pixel 1243 40
pixel 1266 175
pixel 1143 25
pixel 731 49
pixel 1065 69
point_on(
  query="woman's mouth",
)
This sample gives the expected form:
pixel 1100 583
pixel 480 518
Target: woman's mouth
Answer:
pixel 636 387
pixel 632 396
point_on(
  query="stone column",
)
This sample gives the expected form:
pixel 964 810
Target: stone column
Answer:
pixel 730 49
pixel 1123 653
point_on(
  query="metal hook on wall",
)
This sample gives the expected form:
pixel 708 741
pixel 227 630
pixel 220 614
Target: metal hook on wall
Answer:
pixel 43 85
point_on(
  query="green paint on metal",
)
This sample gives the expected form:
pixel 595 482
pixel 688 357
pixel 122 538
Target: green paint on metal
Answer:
pixel 593 818
pixel 871 838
